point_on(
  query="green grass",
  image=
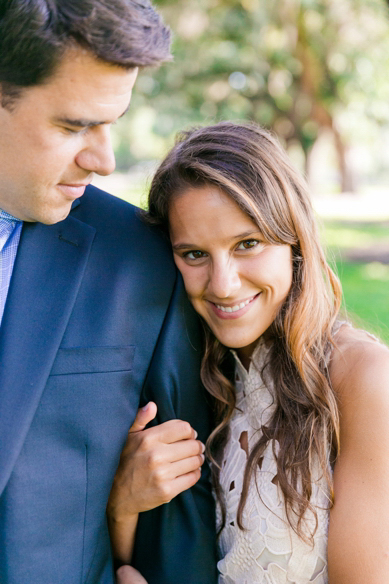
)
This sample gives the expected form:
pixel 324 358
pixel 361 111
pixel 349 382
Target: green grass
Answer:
pixel 344 235
pixel 366 295
pixel 365 285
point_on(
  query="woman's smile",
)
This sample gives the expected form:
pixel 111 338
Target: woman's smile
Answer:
pixel 234 310
pixel 235 279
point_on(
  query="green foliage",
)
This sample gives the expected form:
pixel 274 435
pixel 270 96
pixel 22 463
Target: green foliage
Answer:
pixel 295 66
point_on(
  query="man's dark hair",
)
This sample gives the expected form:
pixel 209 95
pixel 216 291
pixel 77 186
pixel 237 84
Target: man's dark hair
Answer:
pixel 34 35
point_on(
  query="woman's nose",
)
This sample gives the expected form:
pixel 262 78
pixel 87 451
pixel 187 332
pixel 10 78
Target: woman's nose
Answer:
pixel 224 280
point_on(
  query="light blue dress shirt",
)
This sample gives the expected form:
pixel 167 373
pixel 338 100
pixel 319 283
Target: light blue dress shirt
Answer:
pixel 10 230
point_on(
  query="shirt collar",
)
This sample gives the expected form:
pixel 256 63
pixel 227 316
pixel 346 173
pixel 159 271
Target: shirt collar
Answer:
pixel 4 216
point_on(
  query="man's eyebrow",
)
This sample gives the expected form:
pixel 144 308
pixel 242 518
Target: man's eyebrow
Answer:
pixel 85 123
pixel 79 123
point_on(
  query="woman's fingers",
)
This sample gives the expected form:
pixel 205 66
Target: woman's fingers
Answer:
pixel 177 469
pixel 184 482
pixel 143 417
pixel 128 575
pixel 172 431
pixel 181 450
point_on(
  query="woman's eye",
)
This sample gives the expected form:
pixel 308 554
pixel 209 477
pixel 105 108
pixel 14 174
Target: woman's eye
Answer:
pixel 194 255
pixel 248 244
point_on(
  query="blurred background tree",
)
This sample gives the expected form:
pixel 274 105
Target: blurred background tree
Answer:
pixel 307 69
pixel 316 72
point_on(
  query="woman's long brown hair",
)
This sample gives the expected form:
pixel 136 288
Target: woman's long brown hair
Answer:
pixel 247 163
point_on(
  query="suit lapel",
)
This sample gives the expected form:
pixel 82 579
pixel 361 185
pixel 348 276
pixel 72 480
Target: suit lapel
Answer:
pixel 47 274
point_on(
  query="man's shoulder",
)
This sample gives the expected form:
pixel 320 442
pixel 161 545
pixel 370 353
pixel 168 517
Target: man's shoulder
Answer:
pixel 112 216
pixel 122 236
pixel 99 207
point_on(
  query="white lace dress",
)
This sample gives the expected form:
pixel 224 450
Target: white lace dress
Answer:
pixel 268 551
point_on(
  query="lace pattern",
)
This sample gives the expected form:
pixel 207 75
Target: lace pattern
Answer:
pixel 268 551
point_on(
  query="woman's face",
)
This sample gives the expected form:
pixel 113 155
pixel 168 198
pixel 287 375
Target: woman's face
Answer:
pixel 235 280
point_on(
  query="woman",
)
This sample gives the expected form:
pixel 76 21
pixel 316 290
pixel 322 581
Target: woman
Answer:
pixel 302 433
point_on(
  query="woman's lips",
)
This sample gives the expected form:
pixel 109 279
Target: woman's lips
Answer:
pixel 235 310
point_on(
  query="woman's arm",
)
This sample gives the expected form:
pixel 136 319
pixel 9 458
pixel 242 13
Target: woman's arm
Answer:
pixel 122 535
pixel 358 545
pixel 122 527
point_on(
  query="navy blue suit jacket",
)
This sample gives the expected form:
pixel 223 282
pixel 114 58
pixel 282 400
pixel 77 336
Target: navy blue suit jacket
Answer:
pixel 95 316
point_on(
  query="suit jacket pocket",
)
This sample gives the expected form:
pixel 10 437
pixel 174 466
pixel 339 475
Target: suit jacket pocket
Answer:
pixel 93 360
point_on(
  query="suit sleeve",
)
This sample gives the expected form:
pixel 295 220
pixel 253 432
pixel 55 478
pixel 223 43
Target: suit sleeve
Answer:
pixel 176 543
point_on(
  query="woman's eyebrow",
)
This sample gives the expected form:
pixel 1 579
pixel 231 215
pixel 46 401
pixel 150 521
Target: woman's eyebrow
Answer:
pixel 250 233
pixel 247 234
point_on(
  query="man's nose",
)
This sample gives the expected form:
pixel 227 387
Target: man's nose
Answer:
pixel 224 280
pixel 98 155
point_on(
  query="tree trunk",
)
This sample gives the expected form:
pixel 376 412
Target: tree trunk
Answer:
pixel 347 182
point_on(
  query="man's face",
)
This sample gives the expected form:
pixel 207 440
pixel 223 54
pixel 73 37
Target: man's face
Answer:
pixel 57 135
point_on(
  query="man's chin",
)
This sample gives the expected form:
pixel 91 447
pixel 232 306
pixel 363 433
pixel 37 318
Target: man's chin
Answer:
pixel 52 217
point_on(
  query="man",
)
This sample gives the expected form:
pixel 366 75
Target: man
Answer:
pixel 93 311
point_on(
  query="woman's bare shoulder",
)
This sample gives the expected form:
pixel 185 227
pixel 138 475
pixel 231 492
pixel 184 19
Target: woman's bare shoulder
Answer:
pixel 359 365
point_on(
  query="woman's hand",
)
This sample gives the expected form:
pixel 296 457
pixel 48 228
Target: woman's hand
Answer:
pixel 156 465
pixel 128 575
